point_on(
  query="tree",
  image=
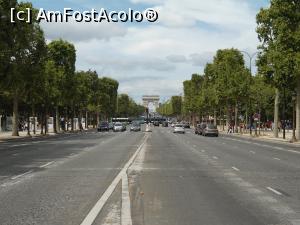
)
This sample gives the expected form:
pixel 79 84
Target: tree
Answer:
pixel 24 46
pixel 63 54
pixel 278 32
pixel 176 102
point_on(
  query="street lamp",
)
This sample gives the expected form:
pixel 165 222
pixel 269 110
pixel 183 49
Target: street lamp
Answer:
pixel 294 139
pixel 251 57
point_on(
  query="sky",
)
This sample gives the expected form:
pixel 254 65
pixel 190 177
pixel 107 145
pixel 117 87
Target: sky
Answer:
pixel 155 58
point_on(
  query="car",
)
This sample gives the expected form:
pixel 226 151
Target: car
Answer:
pixel 210 130
pixel 119 127
pixel 135 126
pixel 111 126
pixel 187 125
pixel 200 128
pixel 179 128
pixel 156 123
pixel 103 126
pixel 197 128
pixel 165 124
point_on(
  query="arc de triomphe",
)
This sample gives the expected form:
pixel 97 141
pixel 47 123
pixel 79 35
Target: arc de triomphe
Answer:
pixel 154 99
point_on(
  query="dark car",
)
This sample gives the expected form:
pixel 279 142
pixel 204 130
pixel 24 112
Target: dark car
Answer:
pixel 165 124
pixel 187 125
pixel 210 130
pixel 103 126
pixel 156 123
pixel 200 128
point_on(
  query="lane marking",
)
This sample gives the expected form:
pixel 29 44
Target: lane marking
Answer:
pixel 277 159
pixel 126 208
pixel 19 145
pixel 268 146
pixel 253 152
pixel 215 157
pixel 274 191
pixel 236 169
pixel 93 213
pixel 21 175
pixel 47 164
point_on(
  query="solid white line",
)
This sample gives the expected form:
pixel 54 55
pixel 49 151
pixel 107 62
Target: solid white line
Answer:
pixel 126 209
pixel 90 218
pixel 234 168
pixel 21 175
pixel 47 164
pixel 274 191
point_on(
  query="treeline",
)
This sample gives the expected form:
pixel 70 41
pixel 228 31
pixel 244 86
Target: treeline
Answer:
pixel 224 92
pixel 40 80
pixel 227 90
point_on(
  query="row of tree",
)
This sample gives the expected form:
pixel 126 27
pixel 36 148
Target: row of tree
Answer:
pixel 40 80
pixel 228 91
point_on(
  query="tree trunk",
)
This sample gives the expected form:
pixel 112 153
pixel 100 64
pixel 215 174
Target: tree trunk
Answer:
pixel 276 113
pixel 28 124
pixel 98 118
pixel 236 118
pixel 15 122
pixel 298 110
pixel 228 117
pixel 72 121
pixel 215 117
pixel 42 123
pixel 57 120
pixel 46 121
pixel 86 119
pixel 34 122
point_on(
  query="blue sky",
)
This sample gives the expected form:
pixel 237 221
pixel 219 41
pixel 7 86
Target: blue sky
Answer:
pixel 156 58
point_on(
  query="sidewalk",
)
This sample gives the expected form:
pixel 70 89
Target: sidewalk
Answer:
pixel 7 135
pixel 266 136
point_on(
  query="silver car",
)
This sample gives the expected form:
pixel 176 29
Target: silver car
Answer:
pixel 179 128
pixel 119 127
pixel 210 130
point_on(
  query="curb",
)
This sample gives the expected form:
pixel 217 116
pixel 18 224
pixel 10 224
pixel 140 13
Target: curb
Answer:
pixel 284 142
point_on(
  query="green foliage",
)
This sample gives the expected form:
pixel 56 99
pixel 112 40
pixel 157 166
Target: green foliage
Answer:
pixel 128 108
pixel 279 33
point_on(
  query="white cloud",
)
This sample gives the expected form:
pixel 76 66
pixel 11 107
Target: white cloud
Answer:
pixel 156 58
pixel 83 31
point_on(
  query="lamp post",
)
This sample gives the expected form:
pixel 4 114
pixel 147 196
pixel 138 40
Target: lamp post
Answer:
pixel 251 57
pixel 294 139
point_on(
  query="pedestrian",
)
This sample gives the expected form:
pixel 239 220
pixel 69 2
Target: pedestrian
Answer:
pixel 229 129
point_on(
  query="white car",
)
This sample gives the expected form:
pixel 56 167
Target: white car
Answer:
pixel 179 128
pixel 119 127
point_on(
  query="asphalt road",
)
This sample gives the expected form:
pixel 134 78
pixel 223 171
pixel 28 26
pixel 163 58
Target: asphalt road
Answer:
pixel 156 178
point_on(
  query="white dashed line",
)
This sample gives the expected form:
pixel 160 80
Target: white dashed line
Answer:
pixel 277 159
pixel 253 152
pixel 19 145
pixel 47 164
pixel 234 168
pixel 274 191
pixel 215 157
pixel 21 175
